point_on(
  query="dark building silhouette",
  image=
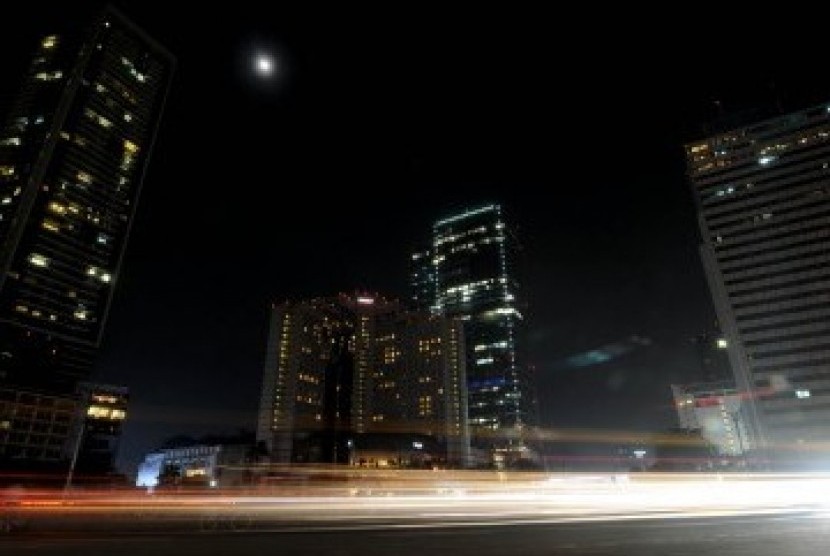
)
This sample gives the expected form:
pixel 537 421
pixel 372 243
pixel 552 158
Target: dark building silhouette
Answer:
pixel 422 279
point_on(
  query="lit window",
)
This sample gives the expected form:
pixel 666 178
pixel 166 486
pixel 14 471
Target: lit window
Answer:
pixel 80 313
pixel 84 177
pixel 10 141
pixel 102 238
pixel 38 260
pixel 50 225
pixel 57 208
pixel 49 42
pixel 128 117
pixel 101 120
pixel 6 200
pixel 118 414
pixel 99 412
pixel 802 394
pixel 132 148
pixel 722 343
pixel 48 75
pixel 6 170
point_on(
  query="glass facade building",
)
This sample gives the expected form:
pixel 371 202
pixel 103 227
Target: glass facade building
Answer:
pixel 73 154
pixel 763 199
pixel 473 258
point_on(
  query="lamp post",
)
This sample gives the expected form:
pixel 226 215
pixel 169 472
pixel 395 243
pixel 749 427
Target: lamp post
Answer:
pixel 76 450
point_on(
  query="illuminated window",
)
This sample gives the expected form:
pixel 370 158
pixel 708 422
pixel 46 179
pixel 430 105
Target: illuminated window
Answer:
pixel 50 225
pixel 57 208
pixel 99 412
pixel 48 75
pixel 10 141
pixel 49 42
pixel 80 313
pixel 84 177
pixel 101 120
pixel 118 414
pixel 6 170
pixel 132 148
pixel 38 260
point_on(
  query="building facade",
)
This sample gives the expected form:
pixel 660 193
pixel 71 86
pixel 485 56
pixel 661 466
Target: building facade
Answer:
pixel 73 154
pixel 422 279
pixel 197 465
pixel 473 259
pixel 715 409
pixel 35 427
pixel 51 433
pixel 351 365
pixel 763 199
pixel 99 420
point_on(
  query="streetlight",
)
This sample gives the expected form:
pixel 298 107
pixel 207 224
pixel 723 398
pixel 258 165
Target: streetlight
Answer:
pixel 75 452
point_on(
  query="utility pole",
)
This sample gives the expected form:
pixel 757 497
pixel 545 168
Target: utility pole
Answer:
pixel 75 452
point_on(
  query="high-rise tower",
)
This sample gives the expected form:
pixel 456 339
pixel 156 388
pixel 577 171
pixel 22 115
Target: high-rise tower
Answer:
pixel 474 269
pixel 763 199
pixel 73 155
pixel 349 366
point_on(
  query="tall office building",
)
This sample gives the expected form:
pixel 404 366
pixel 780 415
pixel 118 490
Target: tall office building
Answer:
pixel 473 258
pixel 763 198
pixel 341 367
pixel 422 279
pixel 73 154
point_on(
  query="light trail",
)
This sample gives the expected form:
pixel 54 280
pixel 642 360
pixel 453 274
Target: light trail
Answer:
pixel 414 498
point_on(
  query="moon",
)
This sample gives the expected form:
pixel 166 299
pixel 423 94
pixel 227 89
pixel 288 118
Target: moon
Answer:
pixel 264 65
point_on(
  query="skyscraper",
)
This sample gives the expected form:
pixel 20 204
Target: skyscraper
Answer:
pixel 473 266
pixel 73 154
pixel 422 279
pixel 341 367
pixel 763 199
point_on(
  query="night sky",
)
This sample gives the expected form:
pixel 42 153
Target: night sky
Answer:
pixel 383 121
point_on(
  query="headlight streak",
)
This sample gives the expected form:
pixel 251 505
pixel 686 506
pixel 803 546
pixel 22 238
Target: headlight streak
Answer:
pixel 416 498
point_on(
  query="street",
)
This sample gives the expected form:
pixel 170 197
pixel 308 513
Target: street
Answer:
pixel 786 534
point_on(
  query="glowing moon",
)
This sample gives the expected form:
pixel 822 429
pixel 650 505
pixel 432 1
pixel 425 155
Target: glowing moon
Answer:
pixel 264 65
